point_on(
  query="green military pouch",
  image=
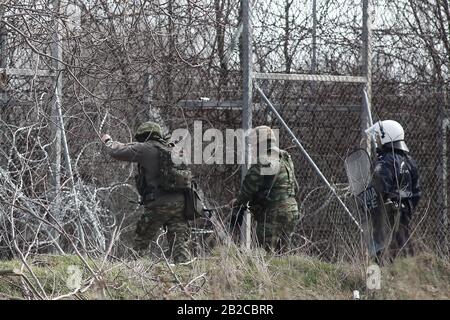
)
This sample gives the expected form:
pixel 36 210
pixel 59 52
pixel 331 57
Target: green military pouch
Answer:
pixel 193 202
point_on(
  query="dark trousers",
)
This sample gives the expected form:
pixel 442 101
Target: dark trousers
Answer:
pixel 391 231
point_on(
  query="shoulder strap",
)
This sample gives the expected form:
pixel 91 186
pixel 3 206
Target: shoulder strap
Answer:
pixel 287 163
pixel 272 181
pixel 294 179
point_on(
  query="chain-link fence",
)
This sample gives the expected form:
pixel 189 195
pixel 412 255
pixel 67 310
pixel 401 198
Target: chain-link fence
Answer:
pixel 325 117
pixel 132 76
pixel 422 114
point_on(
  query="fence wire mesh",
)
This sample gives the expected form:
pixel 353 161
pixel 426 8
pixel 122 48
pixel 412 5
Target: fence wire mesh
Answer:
pixel 326 119
pixel 113 81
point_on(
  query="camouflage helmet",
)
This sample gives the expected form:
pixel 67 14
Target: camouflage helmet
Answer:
pixel 150 128
pixel 263 131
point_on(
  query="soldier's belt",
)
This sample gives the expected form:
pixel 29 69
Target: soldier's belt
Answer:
pixel 151 196
pixel 272 202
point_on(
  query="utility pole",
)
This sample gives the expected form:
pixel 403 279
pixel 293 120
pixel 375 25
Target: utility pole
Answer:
pixel 247 65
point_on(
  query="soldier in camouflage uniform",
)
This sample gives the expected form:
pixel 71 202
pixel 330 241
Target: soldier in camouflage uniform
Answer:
pixel 269 188
pixel 162 208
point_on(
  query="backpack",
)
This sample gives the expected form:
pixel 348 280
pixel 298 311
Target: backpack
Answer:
pixel 178 177
pixel 145 191
pixel 193 202
pixel 173 177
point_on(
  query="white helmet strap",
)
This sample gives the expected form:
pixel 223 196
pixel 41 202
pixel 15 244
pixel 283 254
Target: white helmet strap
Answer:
pixel 383 133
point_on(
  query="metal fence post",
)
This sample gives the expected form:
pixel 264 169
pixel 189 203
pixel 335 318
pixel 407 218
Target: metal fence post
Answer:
pixel 314 39
pixel 3 63
pixel 445 213
pixel 56 127
pixel 444 122
pixel 366 61
pixel 247 65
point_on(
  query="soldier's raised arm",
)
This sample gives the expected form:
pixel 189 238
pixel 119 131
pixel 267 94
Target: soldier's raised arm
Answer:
pixel 131 152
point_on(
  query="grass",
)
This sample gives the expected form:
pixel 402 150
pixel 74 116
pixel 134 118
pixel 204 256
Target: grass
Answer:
pixel 229 273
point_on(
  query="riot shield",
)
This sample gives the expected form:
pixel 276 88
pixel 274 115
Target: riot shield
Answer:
pixel 359 173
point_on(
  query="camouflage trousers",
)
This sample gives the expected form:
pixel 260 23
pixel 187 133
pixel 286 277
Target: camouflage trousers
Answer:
pixel 276 224
pixel 169 215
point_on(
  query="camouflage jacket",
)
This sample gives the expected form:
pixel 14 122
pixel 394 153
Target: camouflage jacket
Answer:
pixel 146 155
pixel 269 183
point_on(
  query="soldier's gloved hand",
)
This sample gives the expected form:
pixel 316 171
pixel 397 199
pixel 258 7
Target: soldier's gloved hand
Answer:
pixel 232 203
pixel 106 138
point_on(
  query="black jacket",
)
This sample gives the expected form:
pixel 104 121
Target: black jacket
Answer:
pixel 396 177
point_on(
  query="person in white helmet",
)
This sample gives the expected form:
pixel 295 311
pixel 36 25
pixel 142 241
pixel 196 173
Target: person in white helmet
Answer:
pixel 396 180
